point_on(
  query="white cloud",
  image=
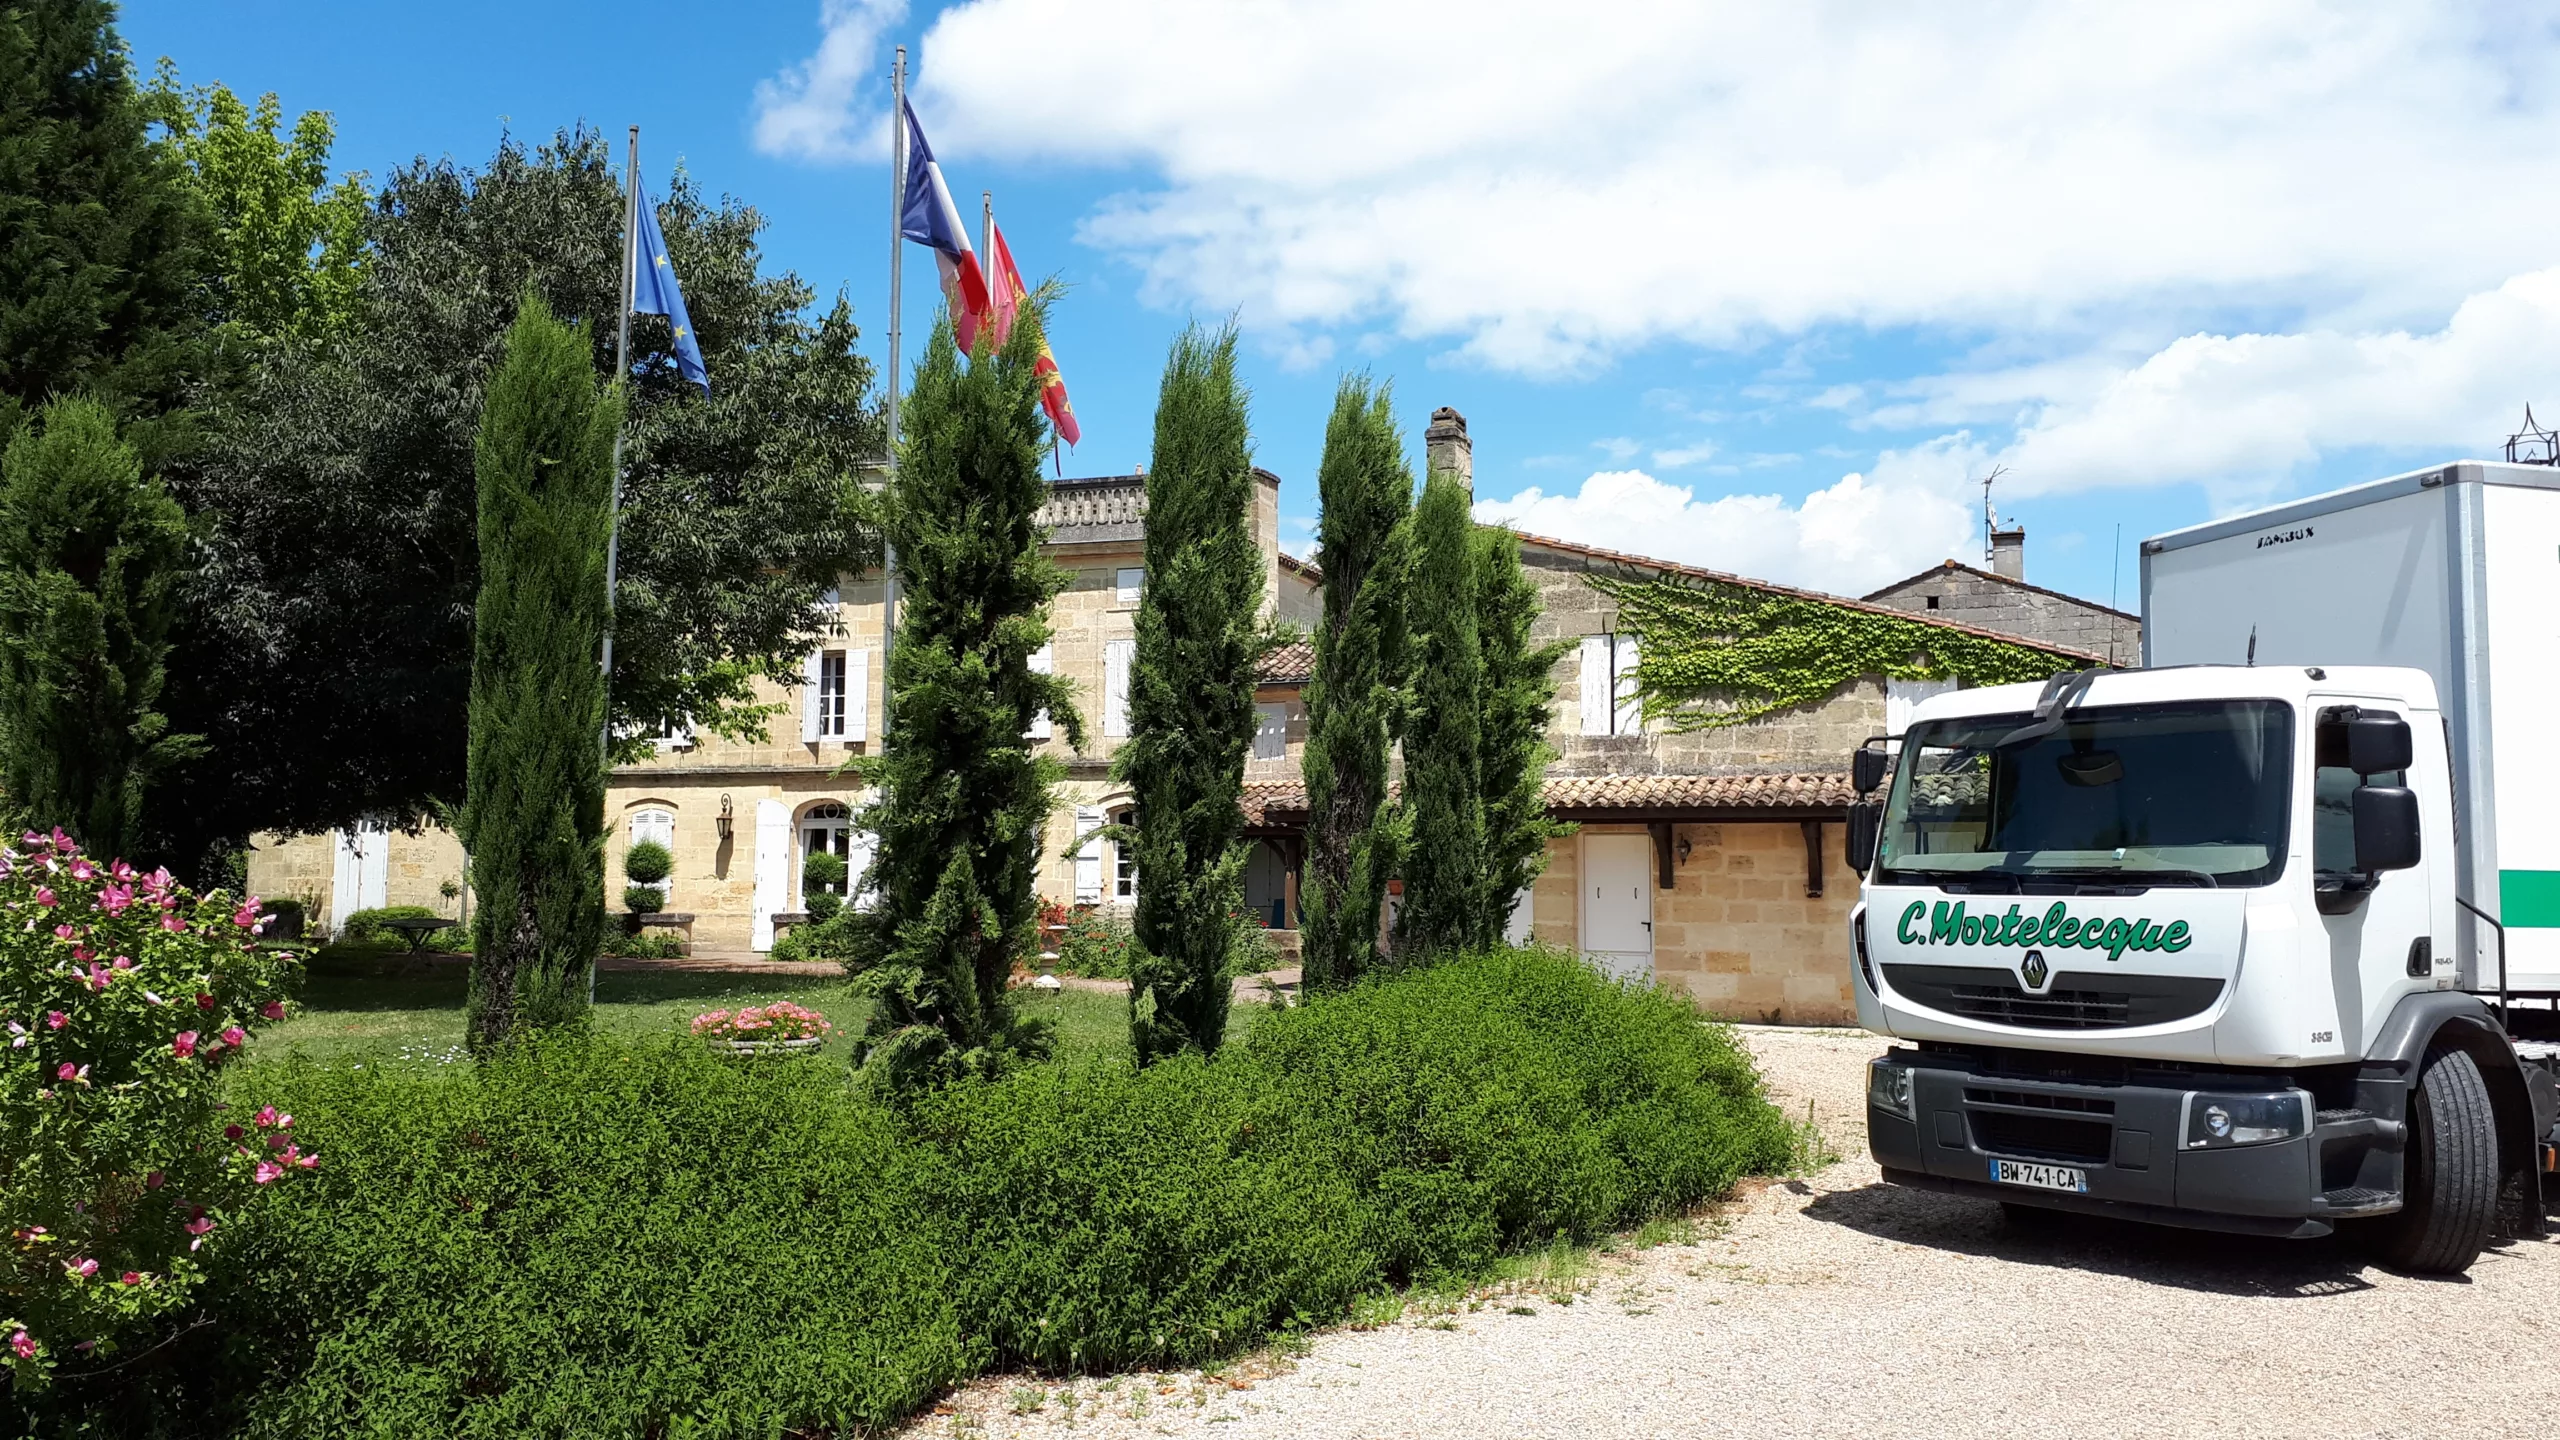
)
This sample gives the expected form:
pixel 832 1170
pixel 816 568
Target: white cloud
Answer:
pixel 1680 456
pixel 2242 414
pixel 1547 195
pixel 822 108
pixel 1862 532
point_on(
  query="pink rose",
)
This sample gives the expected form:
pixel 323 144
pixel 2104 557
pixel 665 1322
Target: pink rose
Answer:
pixel 22 1345
pixel 205 1002
pixel 247 915
pixel 66 1071
pixel 56 1019
pixel 273 1010
pixel 267 1171
pixel 199 1227
pixel 185 1044
pixel 64 843
pixel 172 923
pixel 82 1268
pixel 114 899
pixel 234 1036
pixel 265 1117
pixel 83 870
pixel 44 896
pixel 131 1277
pixel 232 1132
pixel 63 932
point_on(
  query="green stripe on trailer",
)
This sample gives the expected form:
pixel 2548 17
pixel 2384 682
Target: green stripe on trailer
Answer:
pixel 2529 898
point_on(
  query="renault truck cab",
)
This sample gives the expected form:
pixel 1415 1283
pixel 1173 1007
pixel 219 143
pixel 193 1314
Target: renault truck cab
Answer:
pixel 2178 945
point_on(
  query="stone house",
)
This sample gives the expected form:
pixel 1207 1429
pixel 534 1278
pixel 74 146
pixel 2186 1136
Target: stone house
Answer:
pixel 1711 860
pixel 2001 599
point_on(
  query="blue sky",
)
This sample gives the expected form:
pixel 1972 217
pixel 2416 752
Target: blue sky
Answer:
pixel 1761 288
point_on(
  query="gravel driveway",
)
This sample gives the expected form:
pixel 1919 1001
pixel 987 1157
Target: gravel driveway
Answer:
pixel 1835 1305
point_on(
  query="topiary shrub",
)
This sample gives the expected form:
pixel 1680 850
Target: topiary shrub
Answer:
pixel 642 899
pixel 119 997
pixel 822 880
pixel 647 862
pixel 364 927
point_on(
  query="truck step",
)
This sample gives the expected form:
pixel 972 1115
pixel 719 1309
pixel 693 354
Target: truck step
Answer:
pixel 2359 1201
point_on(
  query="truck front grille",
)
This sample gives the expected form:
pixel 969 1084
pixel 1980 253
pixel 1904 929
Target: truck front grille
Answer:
pixel 2043 1137
pixel 2077 1000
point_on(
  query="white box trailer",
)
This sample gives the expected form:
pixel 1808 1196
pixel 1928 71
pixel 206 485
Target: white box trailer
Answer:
pixel 2454 570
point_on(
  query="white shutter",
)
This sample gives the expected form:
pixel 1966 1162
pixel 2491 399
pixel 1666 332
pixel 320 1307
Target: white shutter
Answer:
pixel 1622 674
pixel 809 707
pixel 773 869
pixel 1595 684
pixel 1088 855
pixel 1901 697
pixel 1270 732
pixel 857 695
pixel 1043 661
pixel 861 846
pixel 1116 659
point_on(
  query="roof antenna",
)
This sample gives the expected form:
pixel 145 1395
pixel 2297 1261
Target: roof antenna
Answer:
pixel 2533 445
pixel 2253 645
pixel 1990 520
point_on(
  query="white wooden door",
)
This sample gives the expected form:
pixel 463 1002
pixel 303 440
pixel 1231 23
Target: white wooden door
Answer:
pixel 773 869
pixel 1617 904
pixel 360 877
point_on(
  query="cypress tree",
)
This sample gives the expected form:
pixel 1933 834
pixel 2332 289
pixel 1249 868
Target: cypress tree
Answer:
pixel 99 232
pixel 1444 868
pixel 963 799
pixel 1364 547
pixel 533 822
pixel 1518 687
pixel 90 550
pixel 1191 720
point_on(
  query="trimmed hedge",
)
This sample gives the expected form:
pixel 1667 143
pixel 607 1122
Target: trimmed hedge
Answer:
pixel 592 1237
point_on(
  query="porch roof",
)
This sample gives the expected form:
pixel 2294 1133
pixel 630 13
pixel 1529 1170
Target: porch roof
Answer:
pixel 1282 804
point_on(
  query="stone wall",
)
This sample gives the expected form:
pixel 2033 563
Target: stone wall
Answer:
pixel 1816 737
pixel 1736 930
pixel 1971 597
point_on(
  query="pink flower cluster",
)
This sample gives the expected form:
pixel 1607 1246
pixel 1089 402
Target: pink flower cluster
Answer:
pixel 780 1020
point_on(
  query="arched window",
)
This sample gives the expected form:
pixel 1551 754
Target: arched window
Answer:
pixel 829 826
pixel 659 825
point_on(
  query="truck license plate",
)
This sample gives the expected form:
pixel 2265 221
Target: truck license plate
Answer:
pixel 2040 1177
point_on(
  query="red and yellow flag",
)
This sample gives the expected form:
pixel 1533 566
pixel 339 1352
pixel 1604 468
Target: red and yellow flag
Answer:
pixel 1006 300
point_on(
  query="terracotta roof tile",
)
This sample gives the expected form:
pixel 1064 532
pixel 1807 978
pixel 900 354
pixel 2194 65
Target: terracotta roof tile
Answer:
pixel 1632 793
pixel 1262 797
pixel 1292 664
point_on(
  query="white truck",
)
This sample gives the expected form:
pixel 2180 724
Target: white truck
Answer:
pixel 2263 937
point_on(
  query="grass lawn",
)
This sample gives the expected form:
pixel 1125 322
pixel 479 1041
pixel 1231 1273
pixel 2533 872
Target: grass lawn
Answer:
pixel 370 1018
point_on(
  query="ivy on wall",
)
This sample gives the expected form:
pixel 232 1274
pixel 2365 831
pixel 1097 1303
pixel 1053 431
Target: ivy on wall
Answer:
pixel 1718 654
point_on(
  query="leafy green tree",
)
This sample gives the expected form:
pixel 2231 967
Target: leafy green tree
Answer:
pixel 534 820
pixel 99 233
pixel 285 242
pixel 1514 699
pixel 1200 640
pixel 1444 867
pixel 963 799
pixel 1364 546
pixel 328 658
pixel 90 549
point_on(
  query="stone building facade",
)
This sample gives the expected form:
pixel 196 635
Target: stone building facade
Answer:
pixel 2001 599
pixel 1711 860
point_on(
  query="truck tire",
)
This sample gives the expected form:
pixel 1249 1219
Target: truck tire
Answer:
pixel 2449 1177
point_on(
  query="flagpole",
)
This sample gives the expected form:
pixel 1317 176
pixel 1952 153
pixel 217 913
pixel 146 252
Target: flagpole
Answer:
pixel 897 254
pixel 987 239
pixel 621 369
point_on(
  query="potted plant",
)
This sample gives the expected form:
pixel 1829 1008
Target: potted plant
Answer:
pixel 646 866
pixel 780 1028
pixel 822 878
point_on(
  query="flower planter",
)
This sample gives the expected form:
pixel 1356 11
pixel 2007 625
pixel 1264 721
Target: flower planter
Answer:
pixel 805 1045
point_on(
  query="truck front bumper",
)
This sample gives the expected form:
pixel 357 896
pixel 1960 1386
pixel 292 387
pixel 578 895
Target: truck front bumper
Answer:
pixel 2125 1139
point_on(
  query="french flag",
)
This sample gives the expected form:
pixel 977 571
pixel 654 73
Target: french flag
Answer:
pixel 931 220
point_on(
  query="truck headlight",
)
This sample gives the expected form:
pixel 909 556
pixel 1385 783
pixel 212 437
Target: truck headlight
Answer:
pixel 2215 1121
pixel 1889 1087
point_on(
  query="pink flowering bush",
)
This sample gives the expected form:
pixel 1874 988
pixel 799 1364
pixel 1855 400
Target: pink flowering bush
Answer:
pixel 120 995
pixel 780 1020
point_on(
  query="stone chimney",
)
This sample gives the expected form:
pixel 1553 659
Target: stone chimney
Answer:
pixel 2009 553
pixel 1445 447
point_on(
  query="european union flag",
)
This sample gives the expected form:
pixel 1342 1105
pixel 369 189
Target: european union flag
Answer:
pixel 654 292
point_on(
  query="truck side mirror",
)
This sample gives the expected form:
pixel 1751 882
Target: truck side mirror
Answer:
pixel 2386 821
pixel 1864 822
pixel 1867 770
pixel 2378 745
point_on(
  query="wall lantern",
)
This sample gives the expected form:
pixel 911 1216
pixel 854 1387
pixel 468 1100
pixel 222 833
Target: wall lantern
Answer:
pixel 728 812
pixel 1683 848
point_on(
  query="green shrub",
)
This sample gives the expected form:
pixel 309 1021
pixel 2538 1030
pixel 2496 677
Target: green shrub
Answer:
pixel 646 945
pixel 613 1237
pixel 364 927
pixel 1098 944
pixel 647 863
pixel 643 899
pixel 838 937
pixel 822 878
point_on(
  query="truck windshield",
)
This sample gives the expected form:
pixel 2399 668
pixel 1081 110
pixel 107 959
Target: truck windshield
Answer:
pixel 2183 794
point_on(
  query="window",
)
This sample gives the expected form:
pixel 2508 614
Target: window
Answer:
pixel 1124 863
pixel 1270 732
pixel 1130 580
pixel 1609 700
pixel 2193 793
pixel 835 696
pixel 1117 657
pixel 1043 661
pixel 1932 602
pixel 658 825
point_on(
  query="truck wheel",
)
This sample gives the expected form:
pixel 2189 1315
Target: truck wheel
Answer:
pixel 2449 1176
